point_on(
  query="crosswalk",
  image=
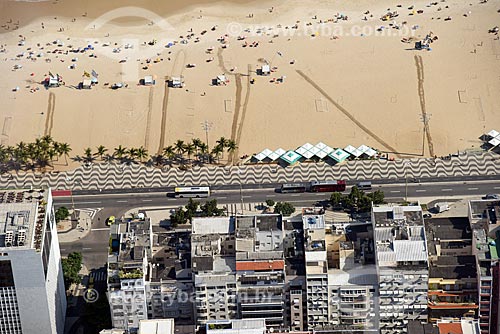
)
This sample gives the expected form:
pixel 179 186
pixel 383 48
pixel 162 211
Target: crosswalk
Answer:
pixel 99 276
pixel 90 211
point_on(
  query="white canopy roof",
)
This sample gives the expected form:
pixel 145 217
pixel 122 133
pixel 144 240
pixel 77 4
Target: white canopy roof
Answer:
pixel 280 151
pixel 267 152
pixel 321 154
pixel 363 148
pixel 328 149
pixel 493 133
pixel 301 150
pixel 320 145
pixel 315 150
pixel 307 146
pixel 308 155
pixel 350 149
pixel 274 156
pixel 357 153
pixel 371 152
pixel 260 156
pixel 495 141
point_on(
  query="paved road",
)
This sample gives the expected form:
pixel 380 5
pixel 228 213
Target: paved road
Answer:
pixel 123 201
pixel 94 245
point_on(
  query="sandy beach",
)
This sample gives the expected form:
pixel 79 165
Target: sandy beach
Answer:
pixel 340 75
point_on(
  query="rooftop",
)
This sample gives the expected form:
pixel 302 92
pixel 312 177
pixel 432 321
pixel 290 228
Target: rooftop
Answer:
pixel 454 228
pixel 22 218
pixel 213 225
pixel 453 267
pixel 156 326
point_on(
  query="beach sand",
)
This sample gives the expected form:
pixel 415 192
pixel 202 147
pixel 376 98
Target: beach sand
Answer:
pixel 355 89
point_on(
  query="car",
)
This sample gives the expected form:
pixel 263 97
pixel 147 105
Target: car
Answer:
pixel 491 196
pixel 110 221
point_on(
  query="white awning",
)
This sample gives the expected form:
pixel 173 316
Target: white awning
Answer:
pixel 307 146
pixel 350 149
pixel 320 145
pixel 495 141
pixel 493 133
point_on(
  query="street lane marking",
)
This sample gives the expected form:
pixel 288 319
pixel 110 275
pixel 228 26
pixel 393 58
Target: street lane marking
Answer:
pixel 496 187
pixel 420 190
pixel 221 197
pixel 472 188
pixel 100 229
pixel 121 201
pixel 319 194
pixel 395 191
pixel 77 203
pixel 147 200
pixel 270 195
pixel 295 195
pixel 246 196
pixel 62 249
pixel 86 248
pixel 447 189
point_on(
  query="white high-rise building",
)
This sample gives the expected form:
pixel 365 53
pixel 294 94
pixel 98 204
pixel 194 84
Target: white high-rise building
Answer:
pixel 401 255
pixel 32 295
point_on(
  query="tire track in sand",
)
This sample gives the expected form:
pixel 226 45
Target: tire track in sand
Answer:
pixel 163 119
pixel 421 94
pixel 163 129
pixel 348 114
pixel 235 154
pixel 238 107
pixel 49 121
pixel 148 120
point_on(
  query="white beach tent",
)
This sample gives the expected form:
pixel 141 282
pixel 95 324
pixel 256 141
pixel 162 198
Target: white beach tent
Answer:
pixel 493 133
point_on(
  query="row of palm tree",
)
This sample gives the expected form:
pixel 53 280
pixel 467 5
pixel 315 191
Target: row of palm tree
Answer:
pixel 38 154
pixel 45 150
pixel 180 153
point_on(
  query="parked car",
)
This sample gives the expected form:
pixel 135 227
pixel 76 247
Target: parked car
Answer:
pixel 491 196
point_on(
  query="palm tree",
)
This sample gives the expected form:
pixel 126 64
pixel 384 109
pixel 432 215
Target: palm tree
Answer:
pixel 55 147
pixel 203 151
pixel 64 149
pixel 51 153
pixel 190 149
pixel 47 139
pixel 197 143
pixel 222 142
pixel 231 146
pixel 88 154
pixel 101 150
pixel 169 152
pixel 141 153
pixel 180 147
pixel 132 153
pixel 217 150
pixel 120 151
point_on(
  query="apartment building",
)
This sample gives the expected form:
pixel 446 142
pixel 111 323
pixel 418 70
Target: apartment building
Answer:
pixel 32 294
pixel 170 279
pixel 128 262
pixel 260 268
pixel 316 264
pixel 483 217
pixel 214 266
pixel 402 267
pixel 452 269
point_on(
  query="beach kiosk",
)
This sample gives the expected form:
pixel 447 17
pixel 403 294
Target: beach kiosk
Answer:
pixel 220 80
pixel 52 80
pixel 290 157
pixel 148 80
pixel 265 70
pixel 175 82
pixel 86 84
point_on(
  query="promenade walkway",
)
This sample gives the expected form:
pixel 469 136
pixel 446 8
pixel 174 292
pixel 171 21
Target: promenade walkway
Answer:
pixel 119 176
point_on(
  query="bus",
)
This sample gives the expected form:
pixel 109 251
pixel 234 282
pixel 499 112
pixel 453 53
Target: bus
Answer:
pixel 197 192
pixel 328 186
pixel 294 188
